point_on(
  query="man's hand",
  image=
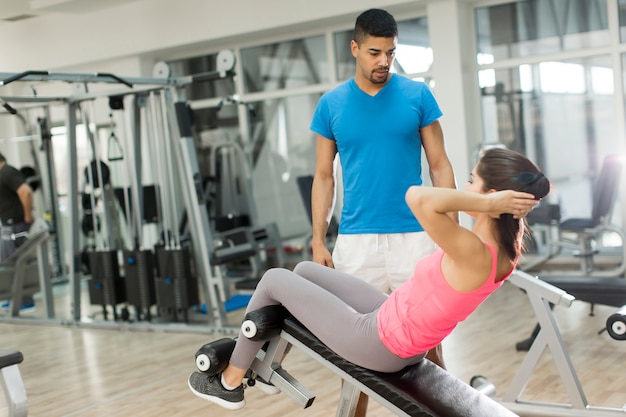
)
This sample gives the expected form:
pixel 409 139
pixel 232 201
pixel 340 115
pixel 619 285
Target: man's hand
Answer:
pixel 322 256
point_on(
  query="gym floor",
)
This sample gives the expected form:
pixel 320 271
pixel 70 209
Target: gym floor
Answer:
pixel 81 371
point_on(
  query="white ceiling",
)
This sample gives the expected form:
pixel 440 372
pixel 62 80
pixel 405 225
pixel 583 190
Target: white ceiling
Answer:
pixel 15 10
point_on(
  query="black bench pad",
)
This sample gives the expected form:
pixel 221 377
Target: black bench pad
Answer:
pixel 420 390
pixel 605 291
pixel 10 357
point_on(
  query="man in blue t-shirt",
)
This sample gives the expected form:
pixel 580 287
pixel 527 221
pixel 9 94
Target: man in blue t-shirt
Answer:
pixel 378 123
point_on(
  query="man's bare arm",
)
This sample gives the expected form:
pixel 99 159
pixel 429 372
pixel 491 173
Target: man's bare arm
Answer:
pixel 440 167
pixel 323 198
pixel 25 194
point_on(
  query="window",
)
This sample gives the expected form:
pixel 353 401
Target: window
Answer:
pixel 622 20
pixel 283 65
pixel 539 27
pixel 546 108
pixel 284 150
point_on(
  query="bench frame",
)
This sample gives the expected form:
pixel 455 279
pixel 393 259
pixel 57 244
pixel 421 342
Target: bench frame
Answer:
pixel 541 294
pixel 12 383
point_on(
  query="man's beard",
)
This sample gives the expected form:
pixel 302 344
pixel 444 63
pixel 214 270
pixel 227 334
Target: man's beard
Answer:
pixel 382 80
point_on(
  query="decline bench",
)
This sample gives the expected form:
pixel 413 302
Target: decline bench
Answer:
pixel 424 389
pixel 421 390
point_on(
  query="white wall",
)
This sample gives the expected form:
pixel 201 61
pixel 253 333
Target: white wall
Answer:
pixel 154 28
pixel 453 57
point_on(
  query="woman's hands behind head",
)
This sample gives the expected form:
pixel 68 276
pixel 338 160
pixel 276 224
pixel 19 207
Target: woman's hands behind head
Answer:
pixel 519 204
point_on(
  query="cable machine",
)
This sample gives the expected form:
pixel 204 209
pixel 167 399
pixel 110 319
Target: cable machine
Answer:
pixel 159 106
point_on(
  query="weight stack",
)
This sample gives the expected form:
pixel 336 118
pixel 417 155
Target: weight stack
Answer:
pixel 139 267
pixel 176 285
pixel 106 287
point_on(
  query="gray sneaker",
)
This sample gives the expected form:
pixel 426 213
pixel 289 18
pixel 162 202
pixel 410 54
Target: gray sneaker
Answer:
pixel 210 388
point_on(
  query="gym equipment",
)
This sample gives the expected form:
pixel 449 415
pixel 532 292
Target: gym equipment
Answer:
pixel 265 323
pixel 482 385
pixel 197 214
pixel 420 390
pixel 47 171
pixel 616 324
pixel 139 262
pixel 12 383
pixel 176 287
pixel 106 286
pixel 7 107
pixel 604 291
pixel 541 296
pixel 227 187
pixel 229 199
pixel 139 281
pixel 36 75
pixel 19 274
pixel 234 245
pixel 586 231
pixel 155 113
pixel 213 357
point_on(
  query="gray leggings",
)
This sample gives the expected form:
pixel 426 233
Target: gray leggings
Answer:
pixel 336 307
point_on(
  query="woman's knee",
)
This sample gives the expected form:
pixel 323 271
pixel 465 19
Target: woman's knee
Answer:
pixel 305 268
pixel 272 275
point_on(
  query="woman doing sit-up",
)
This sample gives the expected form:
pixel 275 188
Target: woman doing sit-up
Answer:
pixel 389 332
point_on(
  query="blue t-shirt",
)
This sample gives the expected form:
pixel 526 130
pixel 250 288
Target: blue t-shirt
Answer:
pixel 380 150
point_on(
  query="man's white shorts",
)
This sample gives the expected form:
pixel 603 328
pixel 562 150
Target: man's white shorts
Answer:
pixel 384 260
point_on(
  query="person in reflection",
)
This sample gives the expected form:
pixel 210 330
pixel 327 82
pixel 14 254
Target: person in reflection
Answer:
pixel 16 214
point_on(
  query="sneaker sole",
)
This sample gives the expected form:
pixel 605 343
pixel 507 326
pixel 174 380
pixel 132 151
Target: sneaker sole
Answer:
pixel 217 400
pixel 266 388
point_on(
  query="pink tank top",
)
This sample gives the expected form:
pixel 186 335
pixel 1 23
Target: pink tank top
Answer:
pixel 424 310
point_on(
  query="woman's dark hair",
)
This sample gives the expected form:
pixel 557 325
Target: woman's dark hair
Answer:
pixel 374 22
pixel 2 159
pixel 504 169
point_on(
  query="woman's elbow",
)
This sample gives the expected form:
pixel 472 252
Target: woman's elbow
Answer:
pixel 414 196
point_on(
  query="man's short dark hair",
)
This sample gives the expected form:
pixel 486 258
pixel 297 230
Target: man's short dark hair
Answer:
pixel 2 159
pixel 375 22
